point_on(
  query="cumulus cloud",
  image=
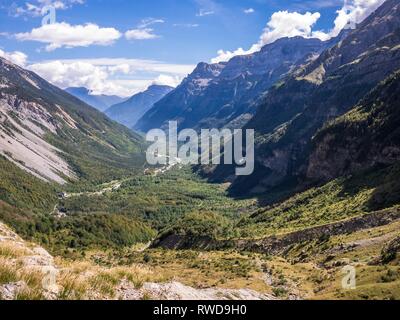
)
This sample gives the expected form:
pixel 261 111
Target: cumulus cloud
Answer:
pixel 282 24
pixel 354 11
pixel 167 80
pixel 17 57
pixel 291 24
pixel 122 77
pixel 62 34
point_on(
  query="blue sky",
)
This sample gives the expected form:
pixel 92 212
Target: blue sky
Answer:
pixel 131 44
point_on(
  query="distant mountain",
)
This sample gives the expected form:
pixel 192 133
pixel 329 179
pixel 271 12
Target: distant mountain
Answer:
pixel 131 110
pixel 293 113
pixel 225 94
pixel 57 137
pixel 100 102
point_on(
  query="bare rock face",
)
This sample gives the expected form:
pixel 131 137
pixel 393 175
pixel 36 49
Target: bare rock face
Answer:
pixel 178 291
pixel 367 136
pixel 46 131
pixel 23 126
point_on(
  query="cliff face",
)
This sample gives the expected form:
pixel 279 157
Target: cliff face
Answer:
pixel 367 136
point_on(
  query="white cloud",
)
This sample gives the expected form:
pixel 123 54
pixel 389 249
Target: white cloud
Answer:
pixel 143 32
pixel 207 7
pixel 354 11
pixel 35 7
pixel 149 21
pixel 291 24
pixel 282 24
pixel 122 77
pixel 167 80
pixel 249 11
pixel 140 34
pixel 139 65
pixel 203 13
pixel 186 25
pixel 17 57
pixel 62 34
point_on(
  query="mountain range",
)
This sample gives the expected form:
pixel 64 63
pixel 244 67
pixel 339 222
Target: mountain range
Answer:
pixel 226 94
pixel 294 111
pixel 100 102
pixel 131 110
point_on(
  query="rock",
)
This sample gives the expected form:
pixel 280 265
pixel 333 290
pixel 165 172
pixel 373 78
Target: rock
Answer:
pixel 11 290
pixel 390 252
pixel 179 291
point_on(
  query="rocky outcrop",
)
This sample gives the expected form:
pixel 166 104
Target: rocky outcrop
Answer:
pixel 22 261
pixel 24 258
pixel 390 252
pixel 178 291
pixel 274 245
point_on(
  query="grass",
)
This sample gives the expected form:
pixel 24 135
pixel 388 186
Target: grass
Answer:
pixel 337 200
pixel 99 274
pixel 7 273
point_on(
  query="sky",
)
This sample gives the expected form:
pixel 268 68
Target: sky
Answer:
pixel 122 46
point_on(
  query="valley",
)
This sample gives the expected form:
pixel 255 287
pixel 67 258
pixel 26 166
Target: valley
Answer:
pixel 84 217
pixel 310 268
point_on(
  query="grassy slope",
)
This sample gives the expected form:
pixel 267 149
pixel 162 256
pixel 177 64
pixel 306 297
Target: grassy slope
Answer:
pixel 337 200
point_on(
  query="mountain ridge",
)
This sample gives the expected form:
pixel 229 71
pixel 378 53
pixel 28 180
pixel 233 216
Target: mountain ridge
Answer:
pixel 215 95
pixel 130 111
pixel 100 102
pixel 293 112
pixel 46 131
